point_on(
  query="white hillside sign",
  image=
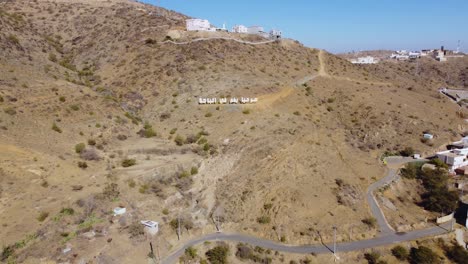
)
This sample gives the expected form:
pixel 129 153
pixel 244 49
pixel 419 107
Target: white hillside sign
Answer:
pixel 233 100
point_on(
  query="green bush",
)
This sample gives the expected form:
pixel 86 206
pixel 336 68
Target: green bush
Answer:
pixel 128 162
pixel 82 164
pixel 7 252
pixel 184 174
pixel 296 113
pixel 80 147
pixel 407 152
pixel 13 39
pixel 179 140
pixel 56 128
pixel 439 163
pixel 191 252
pixel 264 219
pixel 42 216
pixel 457 254
pixel 372 257
pixel 194 170
pixel 91 142
pixel 148 131
pixel 10 111
pixel 370 221
pixel 218 254
pixel 411 170
pixel 75 107
pixel 423 255
pixel 173 131
pixel 400 252
pixel 246 111
pixel 52 57
pixel 438 198
pixel 62 99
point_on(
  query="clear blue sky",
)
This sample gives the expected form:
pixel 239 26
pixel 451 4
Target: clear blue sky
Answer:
pixel 343 25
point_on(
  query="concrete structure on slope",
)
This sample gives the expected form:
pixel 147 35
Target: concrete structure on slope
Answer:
pixel 197 24
pixel 455 158
pixel 364 60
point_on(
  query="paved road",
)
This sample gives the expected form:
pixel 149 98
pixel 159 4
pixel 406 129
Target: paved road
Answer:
pixel 387 234
pixel 307 249
pixel 393 163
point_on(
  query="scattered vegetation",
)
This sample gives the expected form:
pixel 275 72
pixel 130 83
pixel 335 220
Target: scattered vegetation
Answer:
pixel 400 252
pixel 370 222
pixel 264 220
pixel 218 254
pixel 42 216
pixel 79 147
pixel 179 140
pixel 56 128
pixel 82 164
pixel 147 131
pixel 423 255
pixel 128 163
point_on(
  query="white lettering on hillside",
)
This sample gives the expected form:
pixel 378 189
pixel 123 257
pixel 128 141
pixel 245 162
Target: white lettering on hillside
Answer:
pixel 233 100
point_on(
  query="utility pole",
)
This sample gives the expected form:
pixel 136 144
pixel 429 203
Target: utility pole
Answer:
pixel 178 227
pixel 334 243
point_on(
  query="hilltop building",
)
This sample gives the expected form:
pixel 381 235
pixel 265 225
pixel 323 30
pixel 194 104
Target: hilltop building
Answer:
pixel 275 34
pixel 440 54
pixel 240 29
pixel 197 24
pixel 455 158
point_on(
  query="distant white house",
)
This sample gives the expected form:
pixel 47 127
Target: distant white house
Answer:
pixel 455 158
pixel 275 34
pixel 364 60
pixel 240 29
pixel 197 24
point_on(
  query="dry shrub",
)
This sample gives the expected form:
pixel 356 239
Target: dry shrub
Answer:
pixel 90 154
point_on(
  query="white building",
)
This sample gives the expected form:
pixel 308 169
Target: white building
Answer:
pixel 197 24
pixel 257 30
pixel 240 29
pixel 364 60
pixel 455 158
pixel 275 34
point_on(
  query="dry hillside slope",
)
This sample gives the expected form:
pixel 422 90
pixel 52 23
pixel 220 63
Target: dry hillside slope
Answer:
pixel 99 73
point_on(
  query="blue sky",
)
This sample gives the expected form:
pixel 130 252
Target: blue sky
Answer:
pixel 343 25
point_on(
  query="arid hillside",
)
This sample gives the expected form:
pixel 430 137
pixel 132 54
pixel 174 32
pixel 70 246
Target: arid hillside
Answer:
pixel 98 109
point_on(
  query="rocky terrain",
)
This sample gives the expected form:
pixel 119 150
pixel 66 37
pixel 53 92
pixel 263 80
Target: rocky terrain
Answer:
pixel 98 111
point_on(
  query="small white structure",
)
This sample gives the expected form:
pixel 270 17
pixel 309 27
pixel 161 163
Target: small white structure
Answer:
pixel 197 24
pixel 428 136
pixel 364 60
pixel 202 100
pixel 253 100
pixel 151 227
pixel 245 100
pixel 119 211
pixel 417 156
pixel 275 34
pixel 234 101
pixel 240 29
pixel 455 159
pixel 223 100
pixel 439 54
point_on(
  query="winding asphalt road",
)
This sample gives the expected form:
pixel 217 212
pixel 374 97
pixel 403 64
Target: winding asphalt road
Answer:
pixel 387 234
